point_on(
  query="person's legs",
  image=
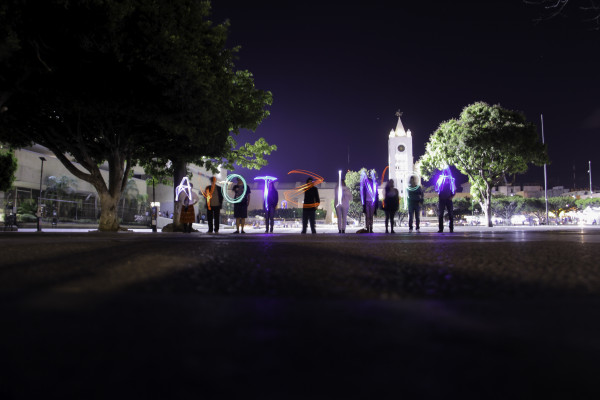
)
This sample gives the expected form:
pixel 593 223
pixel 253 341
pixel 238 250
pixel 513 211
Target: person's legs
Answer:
pixel 441 207
pixel 272 218
pixel 304 219
pixel 242 224
pixel 369 217
pixel 339 213
pixel 450 208
pixel 312 219
pixel 417 211
pixel 411 210
pixel 209 217
pixel 217 218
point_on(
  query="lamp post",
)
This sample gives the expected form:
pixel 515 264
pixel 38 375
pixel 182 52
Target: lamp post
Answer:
pixel 590 172
pixel 545 176
pixel 39 208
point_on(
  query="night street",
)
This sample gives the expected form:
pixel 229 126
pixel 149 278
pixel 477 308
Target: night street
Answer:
pixel 487 313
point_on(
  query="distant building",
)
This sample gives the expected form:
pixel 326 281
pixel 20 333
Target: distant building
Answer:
pixel 400 155
pixel 79 200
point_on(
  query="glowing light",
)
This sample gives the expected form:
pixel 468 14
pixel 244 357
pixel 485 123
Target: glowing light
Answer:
pixel 371 188
pixel 382 177
pixel 226 183
pixel 185 187
pixel 445 176
pixel 340 189
pixel 267 180
pixel 209 192
pixel 292 195
pixel 284 204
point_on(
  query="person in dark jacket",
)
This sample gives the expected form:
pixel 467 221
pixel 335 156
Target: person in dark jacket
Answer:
pixel 240 209
pixel 446 188
pixel 370 199
pixel 270 205
pixel 415 199
pixel 391 203
pixel 311 203
pixel 214 201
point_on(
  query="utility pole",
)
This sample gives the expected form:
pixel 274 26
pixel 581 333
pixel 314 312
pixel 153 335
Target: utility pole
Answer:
pixel 590 172
pixel 545 175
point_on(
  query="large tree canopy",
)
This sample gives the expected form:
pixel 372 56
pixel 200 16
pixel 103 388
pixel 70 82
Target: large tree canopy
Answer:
pixel 486 143
pixel 122 82
pixel 8 167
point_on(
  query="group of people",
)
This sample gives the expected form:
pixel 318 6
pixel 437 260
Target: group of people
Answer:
pixel 343 197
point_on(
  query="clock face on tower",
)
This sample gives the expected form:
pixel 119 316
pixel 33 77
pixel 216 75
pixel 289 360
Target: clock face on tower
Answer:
pixel 401 148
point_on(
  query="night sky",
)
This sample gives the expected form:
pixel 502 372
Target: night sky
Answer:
pixel 338 72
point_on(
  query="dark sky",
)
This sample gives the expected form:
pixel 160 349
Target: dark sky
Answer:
pixel 338 72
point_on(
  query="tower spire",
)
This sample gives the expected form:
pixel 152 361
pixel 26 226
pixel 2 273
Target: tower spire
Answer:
pixel 400 131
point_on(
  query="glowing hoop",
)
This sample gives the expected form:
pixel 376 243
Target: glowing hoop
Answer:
pixel 267 180
pixel 227 182
pixel 290 195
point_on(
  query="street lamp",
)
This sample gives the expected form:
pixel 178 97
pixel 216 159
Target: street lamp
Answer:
pixel 39 208
pixel 590 172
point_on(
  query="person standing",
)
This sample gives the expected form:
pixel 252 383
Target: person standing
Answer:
pixel 391 203
pixel 240 209
pixel 270 205
pixel 214 200
pixel 187 214
pixel 343 195
pixel 370 200
pixel 446 189
pixel 309 208
pixel 415 199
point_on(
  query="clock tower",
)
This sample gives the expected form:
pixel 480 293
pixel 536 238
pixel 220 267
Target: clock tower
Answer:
pixel 400 156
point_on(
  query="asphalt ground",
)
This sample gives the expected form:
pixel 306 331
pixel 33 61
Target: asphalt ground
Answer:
pixel 507 312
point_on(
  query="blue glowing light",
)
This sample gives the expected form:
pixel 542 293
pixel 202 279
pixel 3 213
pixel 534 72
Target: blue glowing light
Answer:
pixel 445 178
pixel 371 188
pixel 267 180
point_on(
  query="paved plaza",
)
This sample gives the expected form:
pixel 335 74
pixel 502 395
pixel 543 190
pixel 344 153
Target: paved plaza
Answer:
pixel 507 312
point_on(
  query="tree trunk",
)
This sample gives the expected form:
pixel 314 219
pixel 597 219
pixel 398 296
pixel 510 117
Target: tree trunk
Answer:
pixel 109 219
pixel 180 170
pixel 487 208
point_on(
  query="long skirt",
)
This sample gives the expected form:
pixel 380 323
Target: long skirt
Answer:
pixel 187 216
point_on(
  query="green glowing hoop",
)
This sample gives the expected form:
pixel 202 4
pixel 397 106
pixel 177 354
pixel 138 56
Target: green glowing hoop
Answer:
pixel 224 189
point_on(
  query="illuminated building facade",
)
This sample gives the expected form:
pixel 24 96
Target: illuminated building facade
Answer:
pixel 400 156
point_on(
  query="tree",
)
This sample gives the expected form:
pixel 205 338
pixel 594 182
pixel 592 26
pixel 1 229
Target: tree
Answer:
pixel 352 180
pixel 588 9
pixel 536 207
pixel 488 144
pixel 507 206
pixel 59 188
pixel 582 204
pixel 8 168
pixel 122 82
pixel 559 204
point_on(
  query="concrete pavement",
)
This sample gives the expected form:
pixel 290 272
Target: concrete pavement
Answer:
pixel 487 313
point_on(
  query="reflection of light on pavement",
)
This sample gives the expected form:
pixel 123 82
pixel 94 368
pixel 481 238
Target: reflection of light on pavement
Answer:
pixel 292 195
